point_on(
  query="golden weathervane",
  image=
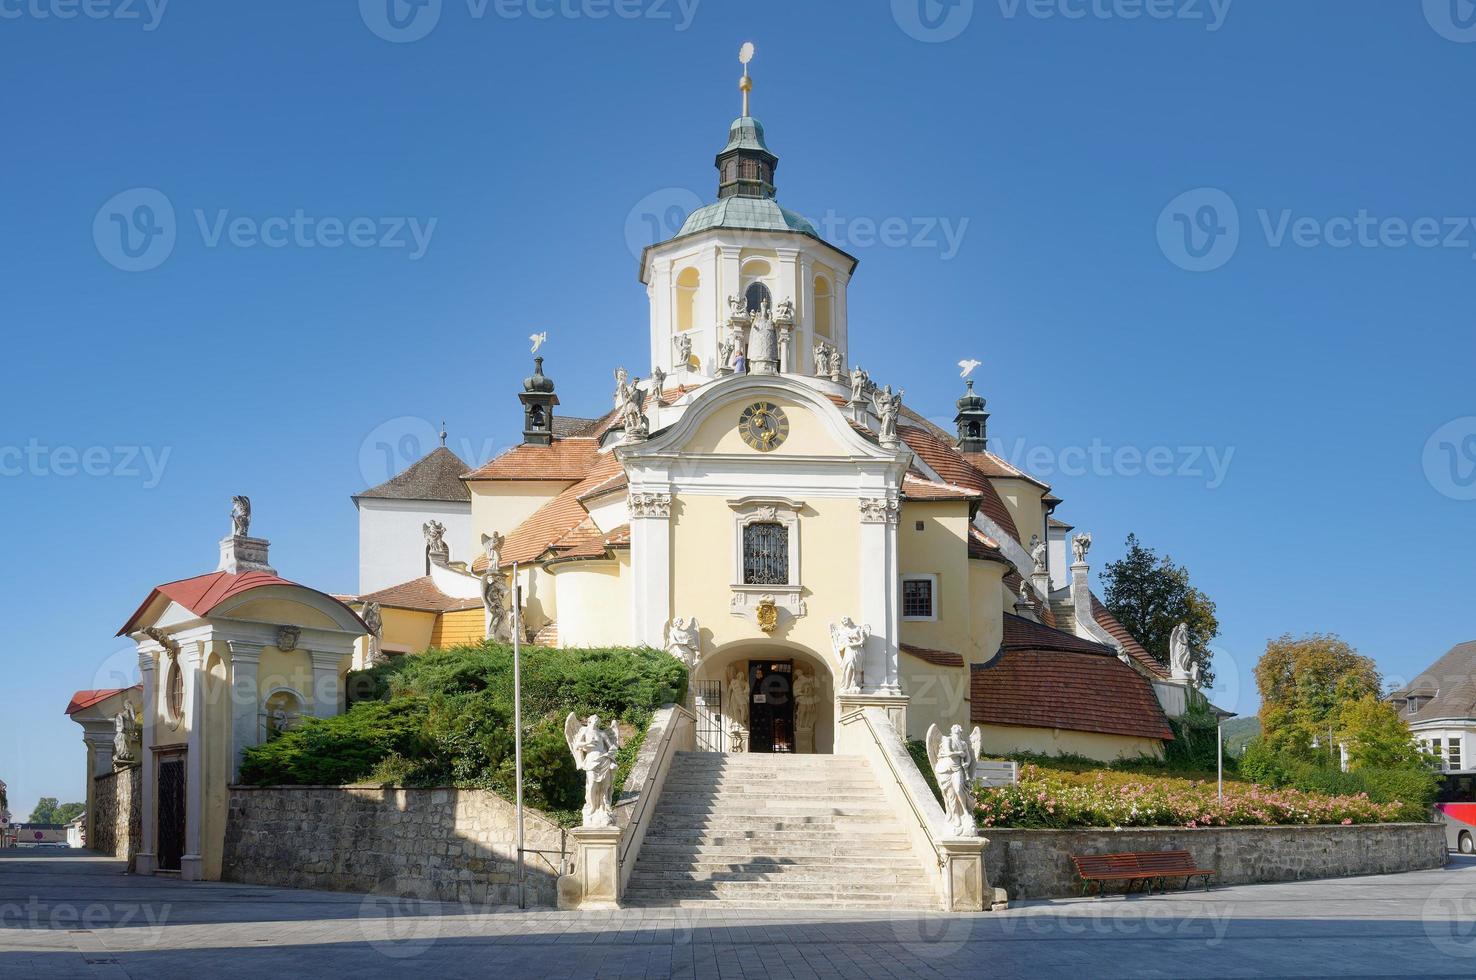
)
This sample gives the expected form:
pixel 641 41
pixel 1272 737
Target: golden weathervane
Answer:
pixel 745 84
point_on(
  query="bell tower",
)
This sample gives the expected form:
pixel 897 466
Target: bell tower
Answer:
pixel 972 421
pixel 538 400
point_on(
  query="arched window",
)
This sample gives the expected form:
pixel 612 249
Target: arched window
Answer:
pixel 687 284
pixel 756 296
pixel 824 322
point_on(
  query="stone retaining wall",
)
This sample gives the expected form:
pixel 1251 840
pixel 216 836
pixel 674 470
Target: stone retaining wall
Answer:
pixel 1037 863
pixel 116 800
pixel 443 844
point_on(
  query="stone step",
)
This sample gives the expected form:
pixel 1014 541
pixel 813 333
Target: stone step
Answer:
pixel 780 893
pixel 799 878
pixel 777 807
pixel 719 861
pixel 713 904
pixel 798 844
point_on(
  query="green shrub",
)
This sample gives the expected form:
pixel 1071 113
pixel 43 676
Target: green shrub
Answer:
pixel 1412 788
pixel 918 749
pixel 444 718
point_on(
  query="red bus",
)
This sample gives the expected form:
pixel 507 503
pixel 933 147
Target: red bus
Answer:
pixel 1456 808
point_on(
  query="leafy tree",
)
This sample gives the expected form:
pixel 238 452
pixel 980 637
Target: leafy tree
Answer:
pixel 48 810
pixel 1377 738
pixel 1150 595
pixel 1304 684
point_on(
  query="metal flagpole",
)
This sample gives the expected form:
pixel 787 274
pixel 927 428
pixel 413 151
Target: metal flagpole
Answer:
pixel 1220 756
pixel 517 629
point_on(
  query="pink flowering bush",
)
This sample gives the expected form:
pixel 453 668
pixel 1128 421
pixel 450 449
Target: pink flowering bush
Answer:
pixel 1050 798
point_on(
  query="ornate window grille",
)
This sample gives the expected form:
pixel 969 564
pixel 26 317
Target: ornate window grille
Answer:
pixel 765 554
pixel 917 598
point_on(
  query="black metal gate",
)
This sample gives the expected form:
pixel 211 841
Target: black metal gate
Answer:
pixel 707 704
pixel 171 812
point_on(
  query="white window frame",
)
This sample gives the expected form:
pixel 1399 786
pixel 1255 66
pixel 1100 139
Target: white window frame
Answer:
pixel 932 579
pixel 767 510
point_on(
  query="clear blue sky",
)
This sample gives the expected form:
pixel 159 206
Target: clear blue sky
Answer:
pixel 534 141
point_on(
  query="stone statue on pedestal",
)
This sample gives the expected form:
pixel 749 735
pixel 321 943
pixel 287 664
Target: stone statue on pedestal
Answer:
pixel 763 343
pixel 952 759
pixel 1038 552
pixel 1179 654
pixel 1080 545
pixel 684 640
pixel 736 705
pixel 436 548
pixel 849 642
pixel 494 605
pixel 241 517
pixel 806 699
pixel 888 409
pixel 126 736
pixel 374 623
pixel 594 749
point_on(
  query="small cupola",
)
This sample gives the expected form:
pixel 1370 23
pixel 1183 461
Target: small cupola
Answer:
pixel 538 400
pixel 972 421
pixel 746 165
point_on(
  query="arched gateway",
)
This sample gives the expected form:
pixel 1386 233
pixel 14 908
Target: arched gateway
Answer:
pixel 764 698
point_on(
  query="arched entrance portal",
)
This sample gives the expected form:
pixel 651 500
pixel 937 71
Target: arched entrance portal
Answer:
pixel 764 698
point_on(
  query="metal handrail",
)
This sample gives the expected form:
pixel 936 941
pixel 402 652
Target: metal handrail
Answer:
pixel 897 777
pixel 644 802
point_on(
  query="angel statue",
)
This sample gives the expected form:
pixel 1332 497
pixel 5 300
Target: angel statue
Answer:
pixel 849 643
pixel 952 759
pixel 1038 552
pixel 684 640
pixel 785 311
pixel 240 516
pixel 494 605
pixel 1179 659
pixel 492 549
pixel 888 407
pixel 594 750
pixel 1080 545
pixel 822 360
pixel 737 308
pixel 976 745
pixel 436 548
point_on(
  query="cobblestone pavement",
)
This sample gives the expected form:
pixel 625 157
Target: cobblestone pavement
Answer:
pixel 69 914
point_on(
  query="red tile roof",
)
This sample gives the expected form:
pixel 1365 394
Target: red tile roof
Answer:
pixel 1023 634
pixel 619 537
pixel 564 459
pixel 421 595
pixel 1013 581
pixel 951 465
pixel 939 658
pixel 984 547
pixel 86 699
pixel 921 488
pixel 203 593
pixel 1120 633
pixel 1081 692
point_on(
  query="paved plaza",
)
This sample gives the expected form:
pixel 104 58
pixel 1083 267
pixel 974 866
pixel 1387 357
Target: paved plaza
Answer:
pixel 69 914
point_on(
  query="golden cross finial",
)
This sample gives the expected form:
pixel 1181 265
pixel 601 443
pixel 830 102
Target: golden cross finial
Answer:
pixel 745 84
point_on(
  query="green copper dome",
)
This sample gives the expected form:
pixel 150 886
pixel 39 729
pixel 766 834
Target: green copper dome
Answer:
pixel 746 133
pixel 747 214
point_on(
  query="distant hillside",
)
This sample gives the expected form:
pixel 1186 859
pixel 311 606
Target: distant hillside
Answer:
pixel 1239 732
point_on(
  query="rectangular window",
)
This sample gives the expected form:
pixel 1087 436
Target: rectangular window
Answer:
pixel 765 554
pixel 1453 754
pixel 918 599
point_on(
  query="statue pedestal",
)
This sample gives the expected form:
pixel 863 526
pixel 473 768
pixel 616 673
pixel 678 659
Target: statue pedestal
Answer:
pixel 895 705
pixel 763 367
pixel 804 741
pixel 964 877
pixel 242 554
pixel 595 880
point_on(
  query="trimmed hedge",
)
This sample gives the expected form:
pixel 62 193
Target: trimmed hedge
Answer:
pixel 444 718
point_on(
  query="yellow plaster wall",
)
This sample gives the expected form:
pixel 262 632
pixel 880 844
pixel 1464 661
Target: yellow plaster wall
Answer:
pixel 406 630
pixel 286 669
pixel 595 601
pixel 501 505
pixel 940 549
pixel 702 538
pixel 1022 498
pixel 282 611
pixel 808 435
pixel 986 602
pixel 539 596
pixel 459 627
pixel 1005 739
pixel 939 695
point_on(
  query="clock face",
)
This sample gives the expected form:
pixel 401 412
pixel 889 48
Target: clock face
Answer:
pixel 763 426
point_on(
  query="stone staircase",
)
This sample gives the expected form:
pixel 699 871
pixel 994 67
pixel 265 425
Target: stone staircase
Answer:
pixel 760 831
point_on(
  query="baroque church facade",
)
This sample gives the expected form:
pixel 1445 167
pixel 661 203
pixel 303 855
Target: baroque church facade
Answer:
pixel 778 519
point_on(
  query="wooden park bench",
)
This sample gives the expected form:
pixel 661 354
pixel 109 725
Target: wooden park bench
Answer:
pixel 1149 867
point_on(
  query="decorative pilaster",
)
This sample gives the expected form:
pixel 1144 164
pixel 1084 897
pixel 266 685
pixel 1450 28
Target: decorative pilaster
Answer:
pixel 880 590
pixel 245 700
pixel 146 859
pixel 650 559
pixel 191 862
pixel 327 691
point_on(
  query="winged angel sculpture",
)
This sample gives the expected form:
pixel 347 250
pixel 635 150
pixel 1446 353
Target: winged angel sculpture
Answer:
pixel 594 750
pixel 952 758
